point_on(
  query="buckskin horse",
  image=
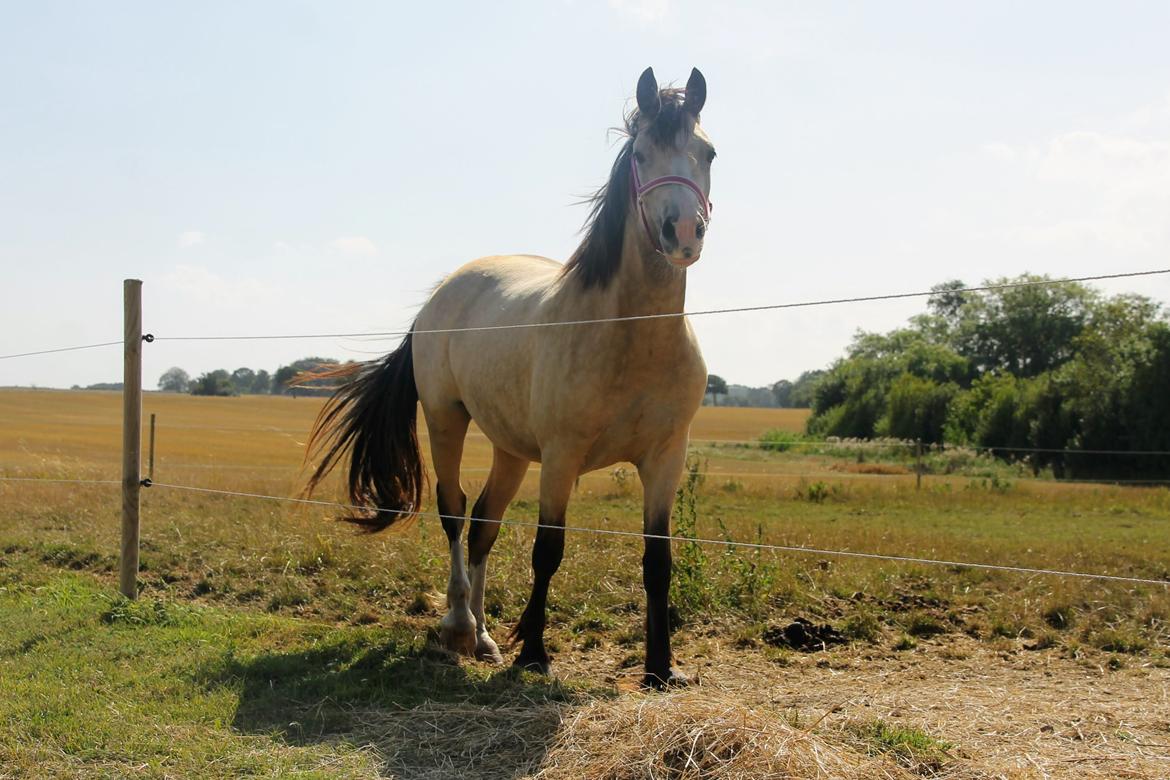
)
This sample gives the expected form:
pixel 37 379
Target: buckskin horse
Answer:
pixel 573 397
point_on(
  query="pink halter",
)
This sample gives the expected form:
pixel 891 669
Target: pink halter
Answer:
pixel 640 190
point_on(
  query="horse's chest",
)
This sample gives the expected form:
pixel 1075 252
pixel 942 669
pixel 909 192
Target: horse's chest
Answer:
pixel 648 401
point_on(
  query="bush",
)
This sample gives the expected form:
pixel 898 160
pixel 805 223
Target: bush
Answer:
pixel 776 440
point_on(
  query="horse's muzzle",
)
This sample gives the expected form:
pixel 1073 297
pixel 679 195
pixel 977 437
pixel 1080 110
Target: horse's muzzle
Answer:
pixel 682 240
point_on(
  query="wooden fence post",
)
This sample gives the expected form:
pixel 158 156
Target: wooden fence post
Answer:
pixel 918 464
pixel 131 432
pixel 150 460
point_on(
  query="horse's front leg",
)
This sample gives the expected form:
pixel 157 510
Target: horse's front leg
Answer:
pixel 556 484
pixel 660 475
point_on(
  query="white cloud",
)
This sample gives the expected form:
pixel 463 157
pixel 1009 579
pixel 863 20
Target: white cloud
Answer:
pixel 198 285
pixel 190 238
pixel 644 11
pixel 999 151
pixel 1109 188
pixel 355 245
pixel 1110 161
pixel 1153 116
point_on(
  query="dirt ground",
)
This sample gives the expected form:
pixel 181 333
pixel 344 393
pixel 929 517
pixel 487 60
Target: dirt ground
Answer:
pixel 1012 713
pixel 990 712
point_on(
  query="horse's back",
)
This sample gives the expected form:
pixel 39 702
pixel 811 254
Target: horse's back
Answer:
pixel 487 372
pixel 489 291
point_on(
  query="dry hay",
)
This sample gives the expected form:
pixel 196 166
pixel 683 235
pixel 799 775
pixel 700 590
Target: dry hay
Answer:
pixel 695 735
pixel 441 741
pixel 999 714
pixel 698 734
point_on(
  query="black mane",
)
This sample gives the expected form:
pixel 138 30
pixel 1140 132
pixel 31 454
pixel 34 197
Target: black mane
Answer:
pixel 597 259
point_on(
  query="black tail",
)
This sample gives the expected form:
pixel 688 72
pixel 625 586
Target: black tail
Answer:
pixel 373 417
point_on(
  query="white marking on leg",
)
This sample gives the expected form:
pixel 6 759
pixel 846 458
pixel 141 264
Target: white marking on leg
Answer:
pixel 458 585
pixel 457 628
pixel 478 583
pixel 486 648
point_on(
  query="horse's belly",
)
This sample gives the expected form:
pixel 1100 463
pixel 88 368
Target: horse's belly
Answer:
pixel 504 429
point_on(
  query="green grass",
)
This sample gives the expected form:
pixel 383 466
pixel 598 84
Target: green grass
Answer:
pixel 286 560
pixel 913 748
pixel 95 685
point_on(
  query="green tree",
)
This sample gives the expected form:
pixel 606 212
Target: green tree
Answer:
pixel 916 408
pixel 280 380
pixel 852 398
pixel 1022 330
pixel 716 386
pixel 261 382
pixel 217 382
pixel 285 379
pixel 782 392
pixel 804 388
pixel 242 379
pixel 174 380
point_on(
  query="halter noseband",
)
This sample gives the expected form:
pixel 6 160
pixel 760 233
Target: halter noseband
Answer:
pixel 640 191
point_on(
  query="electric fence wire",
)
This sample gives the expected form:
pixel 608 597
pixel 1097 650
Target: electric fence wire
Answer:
pixel 669 537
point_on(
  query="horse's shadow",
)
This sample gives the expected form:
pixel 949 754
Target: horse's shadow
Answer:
pixel 421 711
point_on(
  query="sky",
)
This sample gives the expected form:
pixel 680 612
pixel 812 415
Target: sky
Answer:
pixel 291 167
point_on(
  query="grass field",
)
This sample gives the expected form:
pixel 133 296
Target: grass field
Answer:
pixel 271 641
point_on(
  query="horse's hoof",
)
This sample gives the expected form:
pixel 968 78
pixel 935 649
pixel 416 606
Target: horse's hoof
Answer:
pixel 456 640
pixel 673 679
pixel 487 650
pixel 538 665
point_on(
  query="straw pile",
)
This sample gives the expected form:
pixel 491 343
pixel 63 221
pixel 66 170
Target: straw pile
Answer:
pixel 691 735
pixel 698 734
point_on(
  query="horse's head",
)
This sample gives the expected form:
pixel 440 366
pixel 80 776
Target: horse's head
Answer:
pixel 671 167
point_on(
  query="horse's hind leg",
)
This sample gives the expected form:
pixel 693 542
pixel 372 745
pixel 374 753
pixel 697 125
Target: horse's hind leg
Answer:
pixel 502 483
pixel 447 428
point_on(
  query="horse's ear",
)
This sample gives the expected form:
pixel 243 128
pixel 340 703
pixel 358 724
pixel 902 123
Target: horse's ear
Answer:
pixel 696 93
pixel 648 100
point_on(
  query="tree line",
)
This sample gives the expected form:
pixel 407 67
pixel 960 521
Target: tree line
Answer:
pixel 785 394
pixel 246 381
pixel 1052 367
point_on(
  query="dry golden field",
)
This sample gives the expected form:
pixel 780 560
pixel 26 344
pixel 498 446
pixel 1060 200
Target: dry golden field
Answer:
pixel 271 641
pixel 67 430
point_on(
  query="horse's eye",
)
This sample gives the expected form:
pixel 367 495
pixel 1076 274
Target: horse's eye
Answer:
pixel 710 156
pixel 641 158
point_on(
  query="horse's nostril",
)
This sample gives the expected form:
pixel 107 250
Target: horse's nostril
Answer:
pixel 668 230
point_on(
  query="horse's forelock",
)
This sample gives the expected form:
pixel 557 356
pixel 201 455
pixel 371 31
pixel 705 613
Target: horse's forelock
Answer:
pixel 667 124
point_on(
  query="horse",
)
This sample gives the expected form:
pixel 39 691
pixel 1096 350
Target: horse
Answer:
pixel 572 397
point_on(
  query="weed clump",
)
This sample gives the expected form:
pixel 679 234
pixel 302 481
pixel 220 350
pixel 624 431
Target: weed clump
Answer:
pixel 690 590
pixel 123 611
pixel 1115 641
pixel 861 626
pixel 813 492
pixel 913 748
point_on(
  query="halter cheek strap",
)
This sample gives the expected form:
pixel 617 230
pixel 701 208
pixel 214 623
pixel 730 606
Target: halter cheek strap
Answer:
pixel 640 191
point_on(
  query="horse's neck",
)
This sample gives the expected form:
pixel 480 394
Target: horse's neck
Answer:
pixel 645 282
